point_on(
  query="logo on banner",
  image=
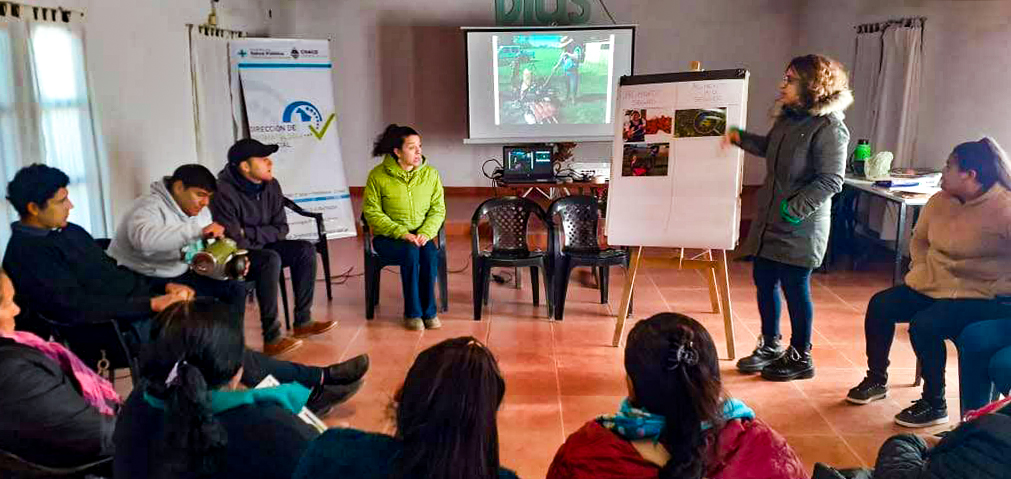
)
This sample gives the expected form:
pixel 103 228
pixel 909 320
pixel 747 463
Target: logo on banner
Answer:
pixel 294 53
pixel 305 112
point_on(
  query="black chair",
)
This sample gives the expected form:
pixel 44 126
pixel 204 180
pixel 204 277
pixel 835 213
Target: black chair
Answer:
pixel 509 218
pixel 374 265
pixel 322 248
pixel 102 345
pixel 578 217
pixel 16 467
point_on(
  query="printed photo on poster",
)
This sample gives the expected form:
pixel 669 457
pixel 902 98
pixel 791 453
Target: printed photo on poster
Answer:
pixel 700 122
pixel 645 159
pixel 551 78
pixel 634 126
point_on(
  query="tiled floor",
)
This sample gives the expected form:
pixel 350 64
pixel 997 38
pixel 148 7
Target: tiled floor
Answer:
pixel 561 374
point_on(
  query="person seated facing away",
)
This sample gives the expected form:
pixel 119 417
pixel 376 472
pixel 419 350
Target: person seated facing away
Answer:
pixel 979 448
pixel 404 207
pixel 961 257
pixel 64 275
pixel 153 232
pixel 445 424
pixel 189 416
pixel 676 422
pixel 250 205
pixel 56 411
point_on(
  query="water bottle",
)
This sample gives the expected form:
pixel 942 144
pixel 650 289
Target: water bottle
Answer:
pixel 860 156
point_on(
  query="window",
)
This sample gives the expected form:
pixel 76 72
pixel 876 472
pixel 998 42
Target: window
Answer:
pixel 45 112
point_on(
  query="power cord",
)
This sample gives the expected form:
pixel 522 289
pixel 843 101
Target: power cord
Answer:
pixel 496 174
pixel 608 12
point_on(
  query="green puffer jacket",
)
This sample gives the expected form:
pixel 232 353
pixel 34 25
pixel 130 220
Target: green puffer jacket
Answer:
pixel 398 202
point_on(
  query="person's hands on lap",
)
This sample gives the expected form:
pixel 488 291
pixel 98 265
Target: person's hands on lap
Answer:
pixel 410 238
pixel 422 240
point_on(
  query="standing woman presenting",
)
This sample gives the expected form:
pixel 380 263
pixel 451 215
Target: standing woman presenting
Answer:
pixel 805 157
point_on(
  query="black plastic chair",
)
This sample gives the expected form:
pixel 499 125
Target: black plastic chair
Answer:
pixel 322 248
pixel 578 217
pixel 509 218
pixel 16 467
pixel 100 345
pixel 374 265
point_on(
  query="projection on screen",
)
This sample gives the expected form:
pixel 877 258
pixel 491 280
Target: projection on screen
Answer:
pixel 545 84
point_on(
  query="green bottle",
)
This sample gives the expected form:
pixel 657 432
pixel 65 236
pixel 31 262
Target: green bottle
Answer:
pixel 860 156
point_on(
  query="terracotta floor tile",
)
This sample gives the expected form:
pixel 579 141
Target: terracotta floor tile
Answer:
pixel 830 449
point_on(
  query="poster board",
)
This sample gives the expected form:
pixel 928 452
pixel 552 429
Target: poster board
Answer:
pixel 286 87
pixel 672 183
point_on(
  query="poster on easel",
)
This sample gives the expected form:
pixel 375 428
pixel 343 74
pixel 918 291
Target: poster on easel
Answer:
pixel 672 183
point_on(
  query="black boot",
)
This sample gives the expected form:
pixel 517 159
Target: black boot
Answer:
pixel 793 365
pixel 767 351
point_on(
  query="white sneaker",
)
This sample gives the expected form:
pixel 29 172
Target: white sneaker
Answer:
pixel 414 324
pixel 433 323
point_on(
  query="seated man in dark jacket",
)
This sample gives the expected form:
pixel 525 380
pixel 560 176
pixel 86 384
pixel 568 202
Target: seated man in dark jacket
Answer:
pixel 979 448
pixel 250 205
pixel 46 417
pixel 63 274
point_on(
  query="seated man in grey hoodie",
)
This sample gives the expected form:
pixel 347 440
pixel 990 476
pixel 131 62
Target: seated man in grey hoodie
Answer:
pixel 156 228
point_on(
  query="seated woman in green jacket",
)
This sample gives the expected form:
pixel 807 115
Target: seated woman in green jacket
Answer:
pixel 404 207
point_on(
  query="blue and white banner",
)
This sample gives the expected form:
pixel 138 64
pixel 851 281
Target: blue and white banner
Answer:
pixel 288 97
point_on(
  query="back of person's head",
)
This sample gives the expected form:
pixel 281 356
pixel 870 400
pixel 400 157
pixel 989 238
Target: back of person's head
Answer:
pixel 820 78
pixel 196 350
pixel 194 176
pixel 672 363
pixel 446 413
pixel 35 183
pixel 390 139
pixel 987 159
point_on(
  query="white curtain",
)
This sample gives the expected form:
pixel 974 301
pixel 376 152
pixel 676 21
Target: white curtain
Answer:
pixel 212 94
pixel 46 113
pixel 887 71
pixel 898 93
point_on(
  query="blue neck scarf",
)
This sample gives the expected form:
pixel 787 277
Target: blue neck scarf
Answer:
pixel 632 423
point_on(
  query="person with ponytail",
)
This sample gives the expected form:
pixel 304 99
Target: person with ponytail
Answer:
pixel 677 422
pixel 405 207
pixel 960 256
pixel 189 417
pixel 446 427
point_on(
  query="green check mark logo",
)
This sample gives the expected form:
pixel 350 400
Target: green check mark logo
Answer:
pixel 319 134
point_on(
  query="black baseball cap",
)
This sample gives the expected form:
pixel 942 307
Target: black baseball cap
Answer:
pixel 247 148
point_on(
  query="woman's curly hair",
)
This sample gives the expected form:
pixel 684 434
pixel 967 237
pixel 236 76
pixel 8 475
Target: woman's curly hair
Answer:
pixel 820 79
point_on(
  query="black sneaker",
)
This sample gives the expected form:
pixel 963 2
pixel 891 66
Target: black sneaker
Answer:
pixel 325 397
pixel 867 392
pixel 793 365
pixel 922 414
pixel 767 351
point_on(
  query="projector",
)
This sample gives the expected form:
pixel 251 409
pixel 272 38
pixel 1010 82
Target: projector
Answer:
pixel 590 169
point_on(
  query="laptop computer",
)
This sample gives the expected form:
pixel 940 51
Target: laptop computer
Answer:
pixel 528 164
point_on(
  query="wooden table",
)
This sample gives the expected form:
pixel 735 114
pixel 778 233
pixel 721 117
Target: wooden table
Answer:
pixel 551 191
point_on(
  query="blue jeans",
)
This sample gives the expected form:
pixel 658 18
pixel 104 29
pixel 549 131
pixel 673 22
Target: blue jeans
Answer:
pixel 418 270
pixel 795 282
pixel 984 359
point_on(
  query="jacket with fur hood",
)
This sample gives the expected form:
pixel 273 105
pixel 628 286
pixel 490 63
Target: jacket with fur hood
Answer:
pixel 805 154
pixel 152 233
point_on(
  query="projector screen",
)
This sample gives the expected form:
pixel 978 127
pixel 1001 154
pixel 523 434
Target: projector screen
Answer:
pixel 547 84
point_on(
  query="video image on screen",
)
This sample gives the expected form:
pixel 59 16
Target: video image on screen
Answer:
pixel 548 78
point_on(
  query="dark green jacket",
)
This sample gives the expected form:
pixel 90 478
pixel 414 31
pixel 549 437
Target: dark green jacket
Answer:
pixel 398 202
pixel 806 160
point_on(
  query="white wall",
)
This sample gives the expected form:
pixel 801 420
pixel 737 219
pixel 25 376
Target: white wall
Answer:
pixel 138 62
pixel 967 63
pixel 402 61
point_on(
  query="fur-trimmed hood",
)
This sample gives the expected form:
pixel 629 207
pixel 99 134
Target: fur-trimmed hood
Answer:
pixel 834 103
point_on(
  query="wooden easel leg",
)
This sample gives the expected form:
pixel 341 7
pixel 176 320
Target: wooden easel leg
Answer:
pixel 723 284
pixel 714 295
pixel 626 295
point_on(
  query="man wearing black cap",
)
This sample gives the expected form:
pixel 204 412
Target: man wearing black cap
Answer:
pixel 250 205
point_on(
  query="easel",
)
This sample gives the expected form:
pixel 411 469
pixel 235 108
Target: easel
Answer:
pixel 714 262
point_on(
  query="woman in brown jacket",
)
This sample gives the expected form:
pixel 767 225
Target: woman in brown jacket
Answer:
pixel 961 261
